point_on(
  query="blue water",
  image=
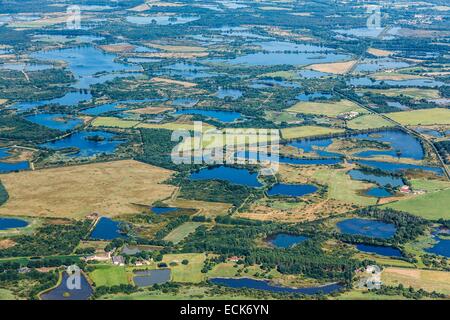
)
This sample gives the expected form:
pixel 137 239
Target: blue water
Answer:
pixel 160 20
pixel 185 102
pixel 106 229
pixel 380 179
pixel 163 210
pixel 368 82
pixel 58 293
pixel 281 159
pixel 312 74
pixel 4 153
pixel 398 167
pixel 147 278
pixel 12 223
pixel 313 96
pixel 380 250
pixel 16 166
pixel 315 146
pixel 53 120
pixel 266 286
pixel 291 190
pixel 373 65
pixel 224 116
pixel 115 106
pixel 270 83
pixel 87 148
pixel 232 175
pixel 229 93
pixel 366 227
pixel 71 98
pixel 378 193
pixel 441 248
pixel 284 240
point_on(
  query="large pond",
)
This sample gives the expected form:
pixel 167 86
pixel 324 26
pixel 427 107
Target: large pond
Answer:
pixel 62 292
pixel 398 167
pixel 147 278
pixel 234 94
pixel 87 143
pixel 285 240
pixel 232 175
pixel 12 223
pixel 6 167
pixel 223 116
pixel 368 82
pixel 267 286
pixel 57 121
pixel 380 179
pixel 367 228
pixel 291 190
pixel 315 146
pixel 442 246
pixel 380 250
pixel 164 210
pixel 161 20
pixel 107 229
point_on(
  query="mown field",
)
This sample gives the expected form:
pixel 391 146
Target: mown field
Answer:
pixel 307 131
pixel 424 117
pixel 109 275
pixel 329 109
pixel 369 121
pixel 182 231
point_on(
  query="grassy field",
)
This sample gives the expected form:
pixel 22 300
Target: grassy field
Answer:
pixel 108 275
pixel 368 121
pixel 185 293
pixel 330 109
pixel 110 188
pixel 190 273
pixel 422 117
pixel 279 117
pixel 366 295
pixel 428 280
pixel 379 52
pixel 182 231
pixel 429 185
pixel 114 122
pixel 384 261
pixel 342 187
pixel 307 131
pixel 433 205
pixel 414 93
pixel 208 209
pixel 6 295
pixel 334 67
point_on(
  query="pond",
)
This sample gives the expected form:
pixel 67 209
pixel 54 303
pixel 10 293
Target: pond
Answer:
pixel 442 246
pixel 316 146
pixel 223 116
pixel 398 167
pixel 313 96
pixel 12 223
pixel 6 167
pixel 378 192
pixel 232 175
pixel 285 240
pixel 281 46
pixel 161 20
pixel 164 210
pixel 115 106
pixel 291 190
pixel 56 121
pixel 380 179
pixel 107 229
pixel 367 228
pixel 368 82
pixel 288 160
pixel 267 286
pixel 373 65
pixel 62 292
pixel 147 278
pixel 380 250
pixel 87 143
pixel 71 98
pixel 234 94
pixel 312 74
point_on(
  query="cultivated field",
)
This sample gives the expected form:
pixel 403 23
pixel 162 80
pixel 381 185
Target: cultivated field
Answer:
pixel 307 131
pixel 368 121
pixel 428 280
pixel 424 117
pixel 110 188
pixel 330 109
pixel 178 234
pixel 379 52
pixel 335 67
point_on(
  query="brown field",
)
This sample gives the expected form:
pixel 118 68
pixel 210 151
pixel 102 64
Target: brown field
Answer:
pixel 117 48
pixel 176 48
pixel 170 81
pixel 6 243
pixel 150 110
pixel 379 52
pixel 3 101
pixel 335 68
pixel 428 280
pixel 172 55
pixel 395 76
pixel 111 188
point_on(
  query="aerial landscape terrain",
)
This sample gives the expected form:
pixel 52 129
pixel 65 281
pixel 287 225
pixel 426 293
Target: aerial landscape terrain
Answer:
pixel 108 193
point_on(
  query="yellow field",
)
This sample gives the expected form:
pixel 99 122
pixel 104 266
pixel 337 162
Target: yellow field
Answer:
pixel 172 82
pixel 428 280
pixel 117 48
pixel 379 52
pixel 307 131
pixel 176 48
pixel 331 109
pixel 368 121
pixel 395 76
pixel 150 110
pixel 191 272
pixel 114 122
pixel 334 68
pixel 110 188
pixel 422 117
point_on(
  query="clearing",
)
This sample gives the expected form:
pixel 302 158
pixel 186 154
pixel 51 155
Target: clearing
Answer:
pixel 307 131
pixel 110 188
pixel 178 234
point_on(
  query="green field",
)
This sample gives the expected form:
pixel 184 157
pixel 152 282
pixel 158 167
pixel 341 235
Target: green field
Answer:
pixel 190 273
pixel 182 231
pixel 329 109
pixel 108 275
pixel 423 117
pixel 429 185
pixel 368 121
pixel 307 131
pixel 433 205
pixel 7 295
pixel 414 93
